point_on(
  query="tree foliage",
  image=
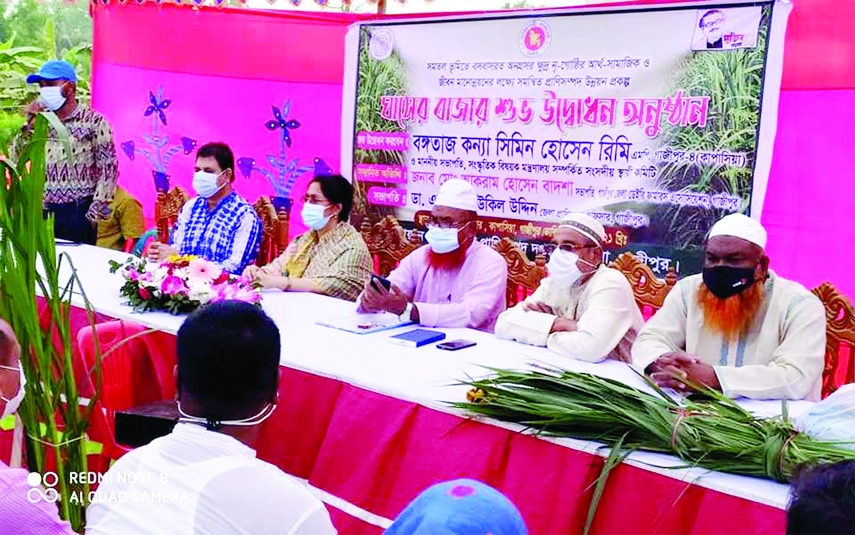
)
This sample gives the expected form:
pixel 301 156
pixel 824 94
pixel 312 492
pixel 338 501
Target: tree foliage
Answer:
pixel 31 32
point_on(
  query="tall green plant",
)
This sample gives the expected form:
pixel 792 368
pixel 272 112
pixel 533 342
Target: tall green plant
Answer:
pixel 54 418
pixel 733 80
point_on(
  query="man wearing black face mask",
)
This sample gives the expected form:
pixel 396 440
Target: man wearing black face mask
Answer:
pixel 738 327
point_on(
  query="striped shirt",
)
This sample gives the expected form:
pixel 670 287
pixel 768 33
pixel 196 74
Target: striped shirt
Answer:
pixel 228 235
pixel 339 263
pixel 91 170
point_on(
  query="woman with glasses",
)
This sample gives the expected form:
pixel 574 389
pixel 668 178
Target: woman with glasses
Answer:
pixel 331 258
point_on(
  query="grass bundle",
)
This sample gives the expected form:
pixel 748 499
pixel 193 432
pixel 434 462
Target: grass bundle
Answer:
pixel 714 433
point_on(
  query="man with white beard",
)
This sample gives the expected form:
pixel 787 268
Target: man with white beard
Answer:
pixel 583 309
pixel 738 327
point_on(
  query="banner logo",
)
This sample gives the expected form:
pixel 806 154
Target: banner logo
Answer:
pixel 381 45
pixel 535 38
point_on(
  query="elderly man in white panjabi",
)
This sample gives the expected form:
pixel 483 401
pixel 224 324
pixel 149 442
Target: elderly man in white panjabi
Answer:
pixel 583 309
pixel 737 327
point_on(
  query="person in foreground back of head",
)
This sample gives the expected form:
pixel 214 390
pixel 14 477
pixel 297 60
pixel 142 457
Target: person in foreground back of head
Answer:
pixel 459 507
pixel 738 328
pixel 453 281
pixel 204 478
pixel 584 309
pixel 823 500
pixel 19 513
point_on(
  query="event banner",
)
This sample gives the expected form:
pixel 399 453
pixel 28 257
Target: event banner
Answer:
pixel 655 120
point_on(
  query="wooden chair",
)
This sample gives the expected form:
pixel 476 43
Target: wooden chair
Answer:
pixel 840 338
pixel 166 210
pixel 283 224
pixel 524 276
pixel 649 290
pixel 387 242
pixel 268 249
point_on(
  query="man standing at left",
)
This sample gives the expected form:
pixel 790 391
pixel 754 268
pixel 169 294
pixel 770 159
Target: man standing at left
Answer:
pixel 79 187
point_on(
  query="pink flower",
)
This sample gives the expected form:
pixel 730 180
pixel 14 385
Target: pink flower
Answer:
pixel 203 270
pixel 173 285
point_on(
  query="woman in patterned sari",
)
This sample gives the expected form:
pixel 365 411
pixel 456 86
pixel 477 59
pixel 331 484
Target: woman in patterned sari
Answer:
pixel 331 258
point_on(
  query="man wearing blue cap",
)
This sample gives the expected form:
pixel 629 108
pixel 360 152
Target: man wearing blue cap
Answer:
pixel 79 187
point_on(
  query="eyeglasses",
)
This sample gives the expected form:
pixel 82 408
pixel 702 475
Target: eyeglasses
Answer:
pixel 308 199
pixel 445 224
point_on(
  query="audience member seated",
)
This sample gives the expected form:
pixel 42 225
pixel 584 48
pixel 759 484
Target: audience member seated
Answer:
pixel 583 309
pixel 204 478
pixel 18 514
pixel 332 258
pixel 737 327
pixel 124 223
pixel 218 225
pixel 823 500
pixel 460 507
pixel 454 281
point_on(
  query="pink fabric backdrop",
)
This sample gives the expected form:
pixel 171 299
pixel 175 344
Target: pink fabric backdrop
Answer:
pixel 223 69
pixel 221 78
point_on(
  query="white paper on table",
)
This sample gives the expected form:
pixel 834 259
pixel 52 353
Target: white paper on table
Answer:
pixel 366 323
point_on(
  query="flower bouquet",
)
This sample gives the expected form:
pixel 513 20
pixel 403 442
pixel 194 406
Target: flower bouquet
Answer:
pixel 180 284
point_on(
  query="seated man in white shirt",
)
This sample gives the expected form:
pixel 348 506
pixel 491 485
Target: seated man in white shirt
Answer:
pixel 583 309
pixel 738 327
pixel 454 281
pixel 203 478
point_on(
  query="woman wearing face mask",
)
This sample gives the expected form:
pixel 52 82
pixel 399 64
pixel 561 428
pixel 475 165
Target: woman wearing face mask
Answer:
pixel 583 309
pixel 19 514
pixel 332 258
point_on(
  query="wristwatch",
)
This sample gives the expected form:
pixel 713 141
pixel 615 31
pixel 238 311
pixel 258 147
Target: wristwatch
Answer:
pixel 407 312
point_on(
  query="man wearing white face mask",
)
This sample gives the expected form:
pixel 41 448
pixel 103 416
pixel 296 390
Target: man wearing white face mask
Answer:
pixel 454 281
pixel 218 225
pixel 204 478
pixel 79 186
pixel 17 513
pixel 332 258
pixel 583 309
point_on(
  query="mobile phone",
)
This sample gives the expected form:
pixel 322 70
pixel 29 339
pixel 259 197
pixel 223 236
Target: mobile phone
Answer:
pixel 454 345
pixel 377 279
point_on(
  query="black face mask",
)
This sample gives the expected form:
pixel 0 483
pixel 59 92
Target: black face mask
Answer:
pixel 727 281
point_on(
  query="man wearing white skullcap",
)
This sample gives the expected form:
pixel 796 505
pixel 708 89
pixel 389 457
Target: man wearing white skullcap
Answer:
pixel 454 281
pixel 583 309
pixel 737 327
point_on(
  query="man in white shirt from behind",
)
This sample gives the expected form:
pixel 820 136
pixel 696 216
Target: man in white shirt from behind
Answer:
pixel 583 309
pixel 204 478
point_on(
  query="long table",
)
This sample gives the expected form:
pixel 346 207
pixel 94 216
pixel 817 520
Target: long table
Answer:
pixel 368 425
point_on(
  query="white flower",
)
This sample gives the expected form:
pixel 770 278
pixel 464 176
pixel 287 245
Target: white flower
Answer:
pixel 159 274
pixel 200 290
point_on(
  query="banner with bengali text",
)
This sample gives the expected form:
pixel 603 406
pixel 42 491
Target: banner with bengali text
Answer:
pixel 655 120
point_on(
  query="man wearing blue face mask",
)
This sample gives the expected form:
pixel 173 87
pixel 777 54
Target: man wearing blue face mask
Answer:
pixel 583 309
pixel 737 327
pixel 79 186
pixel 218 225
pixel 454 281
